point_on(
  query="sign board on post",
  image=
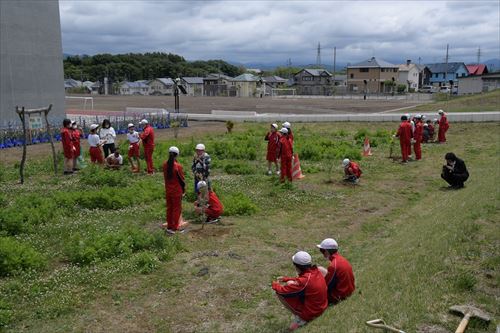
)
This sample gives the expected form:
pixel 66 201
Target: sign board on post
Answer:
pixel 35 121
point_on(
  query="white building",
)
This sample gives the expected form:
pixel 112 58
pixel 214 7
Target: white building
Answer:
pixel 408 75
pixel 134 88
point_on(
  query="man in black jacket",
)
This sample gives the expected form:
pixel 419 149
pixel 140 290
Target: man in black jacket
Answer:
pixel 454 171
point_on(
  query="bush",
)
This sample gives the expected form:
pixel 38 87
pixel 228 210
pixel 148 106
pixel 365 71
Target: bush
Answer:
pixel 238 168
pixel 5 313
pixel 95 175
pixel 238 204
pixel 16 256
pixel 146 262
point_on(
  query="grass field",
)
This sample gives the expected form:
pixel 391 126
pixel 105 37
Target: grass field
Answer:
pixel 489 101
pixel 84 253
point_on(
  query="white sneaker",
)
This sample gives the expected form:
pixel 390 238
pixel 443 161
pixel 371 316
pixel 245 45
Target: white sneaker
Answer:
pixel 170 232
pixel 269 172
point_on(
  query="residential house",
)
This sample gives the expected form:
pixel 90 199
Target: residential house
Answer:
pixel 248 85
pixel 339 83
pixel 442 73
pixel 408 74
pixel 134 88
pixel 161 86
pixel 273 82
pixel 478 69
pixel 424 76
pixel 217 85
pixel 474 84
pixel 194 85
pixel 71 84
pixel 313 82
pixel 371 76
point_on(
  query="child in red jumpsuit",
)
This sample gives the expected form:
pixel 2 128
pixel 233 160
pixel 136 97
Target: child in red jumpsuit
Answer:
pixel 212 207
pixel 272 138
pixel 174 191
pixel 285 153
pixel 68 147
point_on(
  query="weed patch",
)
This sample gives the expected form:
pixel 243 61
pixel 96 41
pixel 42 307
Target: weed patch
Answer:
pixel 238 204
pixel 16 256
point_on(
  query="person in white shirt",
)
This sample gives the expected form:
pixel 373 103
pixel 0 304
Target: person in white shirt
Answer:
pixel 133 148
pixel 115 160
pixel 95 144
pixel 107 133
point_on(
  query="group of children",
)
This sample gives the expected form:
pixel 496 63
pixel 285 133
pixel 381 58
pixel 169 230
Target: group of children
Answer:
pixel 280 150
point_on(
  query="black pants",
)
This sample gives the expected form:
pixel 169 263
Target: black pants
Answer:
pixel 454 180
pixel 109 148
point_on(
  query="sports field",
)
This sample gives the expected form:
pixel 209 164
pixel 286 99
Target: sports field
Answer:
pixel 84 253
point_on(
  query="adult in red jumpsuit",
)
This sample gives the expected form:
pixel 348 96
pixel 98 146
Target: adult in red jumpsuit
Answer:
pixel 339 276
pixel 405 135
pixel 68 147
pixel 443 127
pixel 76 135
pixel 213 208
pixel 285 153
pixel 418 136
pixel 351 170
pixel 272 137
pixel 148 141
pixel 306 295
pixel 174 190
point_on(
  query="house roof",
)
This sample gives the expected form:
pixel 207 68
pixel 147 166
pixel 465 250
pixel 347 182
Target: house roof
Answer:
pixel 192 79
pixel 373 63
pixel 340 77
pixel 72 83
pixel 407 67
pixel 441 67
pixel 136 84
pixel 477 69
pixel 215 76
pixel 420 67
pixel 273 79
pixel 315 72
pixel 246 78
pixel 166 81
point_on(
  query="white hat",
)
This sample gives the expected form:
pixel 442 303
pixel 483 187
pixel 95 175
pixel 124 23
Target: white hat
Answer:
pixel 93 126
pixel 440 111
pixel 173 149
pixel 426 125
pixel 286 124
pixel 130 125
pixel 328 244
pixel 345 162
pixel 424 116
pixel 435 120
pixel 275 126
pixel 200 146
pixel 418 116
pixel 201 184
pixel 284 130
pixel 302 258
pixel 73 122
pixel 143 122
pixel 408 115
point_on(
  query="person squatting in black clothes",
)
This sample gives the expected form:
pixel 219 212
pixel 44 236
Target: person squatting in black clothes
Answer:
pixel 454 171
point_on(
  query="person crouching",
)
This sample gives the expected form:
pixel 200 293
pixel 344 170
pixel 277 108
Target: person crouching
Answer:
pixel 208 203
pixel 351 170
pixel 114 161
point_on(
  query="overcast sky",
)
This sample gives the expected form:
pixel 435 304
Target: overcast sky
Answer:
pixel 273 31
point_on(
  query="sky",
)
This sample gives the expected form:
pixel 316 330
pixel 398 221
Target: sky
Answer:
pixel 271 32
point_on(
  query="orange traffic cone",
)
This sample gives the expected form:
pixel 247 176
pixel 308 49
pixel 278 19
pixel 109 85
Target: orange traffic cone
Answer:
pixel 296 171
pixel 367 150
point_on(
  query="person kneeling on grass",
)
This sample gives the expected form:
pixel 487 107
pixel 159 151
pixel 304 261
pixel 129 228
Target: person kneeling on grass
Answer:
pixel 339 277
pixel 114 161
pixel 306 295
pixel 208 203
pixel 351 170
pixel 454 171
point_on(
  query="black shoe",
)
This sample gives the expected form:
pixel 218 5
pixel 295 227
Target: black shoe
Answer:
pixel 68 172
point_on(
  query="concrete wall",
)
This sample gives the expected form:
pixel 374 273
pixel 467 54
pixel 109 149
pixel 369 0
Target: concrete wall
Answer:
pixel 31 64
pixel 470 85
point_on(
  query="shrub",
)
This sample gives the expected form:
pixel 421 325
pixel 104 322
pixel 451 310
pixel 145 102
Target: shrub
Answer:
pixel 238 168
pixel 238 204
pixel 146 262
pixel 94 175
pixel 16 256
pixel 5 313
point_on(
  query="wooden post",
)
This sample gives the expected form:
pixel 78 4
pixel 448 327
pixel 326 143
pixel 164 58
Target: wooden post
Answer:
pixel 23 160
pixel 54 156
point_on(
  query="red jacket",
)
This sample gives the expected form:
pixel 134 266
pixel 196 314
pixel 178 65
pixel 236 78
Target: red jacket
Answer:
pixel 67 142
pixel 353 169
pixel 404 131
pixel 443 123
pixel 148 137
pixel 272 139
pixel 174 186
pixel 419 131
pixel 75 133
pixel 285 148
pixel 308 297
pixel 339 279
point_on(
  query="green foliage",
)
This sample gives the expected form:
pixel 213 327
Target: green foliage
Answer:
pixel 5 313
pixel 146 262
pixel 238 204
pixel 465 281
pixel 239 168
pixel 94 175
pixel 16 256
pixel 401 88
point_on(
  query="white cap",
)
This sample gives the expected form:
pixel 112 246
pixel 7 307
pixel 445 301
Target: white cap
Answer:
pixel 201 184
pixel 286 124
pixel 93 126
pixel 73 122
pixel 345 162
pixel 408 116
pixel 418 116
pixel 200 146
pixel 424 116
pixel 130 125
pixel 143 122
pixel 173 149
pixel 284 130
pixel 440 111
pixel 435 119
pixel 302 258
pixel 426 125
pixel 275 126
pixel 328 244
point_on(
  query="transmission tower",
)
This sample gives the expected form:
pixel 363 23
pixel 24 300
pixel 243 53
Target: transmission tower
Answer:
pixel 318 56
pixel 479 55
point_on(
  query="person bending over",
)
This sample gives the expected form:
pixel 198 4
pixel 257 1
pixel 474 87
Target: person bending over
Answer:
pixel 454 171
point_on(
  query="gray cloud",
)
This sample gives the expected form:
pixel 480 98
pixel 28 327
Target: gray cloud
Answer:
pixel 273 31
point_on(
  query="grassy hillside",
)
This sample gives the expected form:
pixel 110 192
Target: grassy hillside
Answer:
pixel 489 101
pixel 416 247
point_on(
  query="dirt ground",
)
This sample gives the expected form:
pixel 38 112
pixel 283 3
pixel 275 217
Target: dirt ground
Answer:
pixel 190 104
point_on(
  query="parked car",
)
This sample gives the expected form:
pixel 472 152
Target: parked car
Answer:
pixel 428 89
pixel 444 90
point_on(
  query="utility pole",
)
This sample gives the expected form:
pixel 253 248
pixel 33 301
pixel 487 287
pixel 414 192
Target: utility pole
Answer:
pixel 318 56
pixel 446 61
pixel 334 62
pixel 479 55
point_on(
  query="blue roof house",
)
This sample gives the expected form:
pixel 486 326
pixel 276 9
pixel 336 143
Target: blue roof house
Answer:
pixel 442 73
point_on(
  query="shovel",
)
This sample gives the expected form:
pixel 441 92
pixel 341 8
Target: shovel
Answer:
pixel 379 323
pixel 468 312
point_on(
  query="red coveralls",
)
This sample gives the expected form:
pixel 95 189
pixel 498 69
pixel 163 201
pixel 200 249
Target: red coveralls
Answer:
pixel 174 188
pixel 443 127
pixel 307 298
pixel 272 139
pixel 418 136
pixel 431 132
pixel 148 139
pixel 215 208
pixel 285 154
pixel 404 134
pixel 76 141
pixel 339 279
pixel 353 169
pixel 67 143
